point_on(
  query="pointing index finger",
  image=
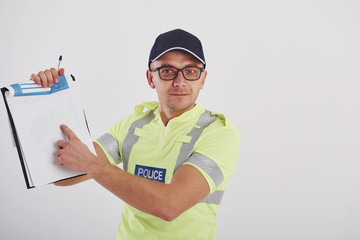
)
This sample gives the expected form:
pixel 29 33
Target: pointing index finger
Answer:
pixel 67 131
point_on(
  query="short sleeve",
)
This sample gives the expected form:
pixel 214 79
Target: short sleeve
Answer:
pixel 215 155
pixel 110 142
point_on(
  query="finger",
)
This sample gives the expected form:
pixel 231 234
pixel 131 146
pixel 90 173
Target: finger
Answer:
pixel 60 144
pixel 43 79
pixel 49 77
pixel 58 153
pixel 61 72
pixel 68 132
pixel 59 161
pixel 55 75
pixel 36 79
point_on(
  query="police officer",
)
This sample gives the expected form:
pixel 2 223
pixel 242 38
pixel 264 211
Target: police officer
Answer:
pixel 177 157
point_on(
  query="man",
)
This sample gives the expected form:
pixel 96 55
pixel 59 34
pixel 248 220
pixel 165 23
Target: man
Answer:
pixel 177 157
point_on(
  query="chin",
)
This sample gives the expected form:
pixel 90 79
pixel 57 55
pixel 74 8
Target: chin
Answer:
pixel 179 107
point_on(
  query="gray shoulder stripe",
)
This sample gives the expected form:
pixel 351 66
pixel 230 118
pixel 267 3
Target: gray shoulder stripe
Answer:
pixel 111 146
pixel 187 148
pixel 208 165
pixel 214 198
pixel 131 139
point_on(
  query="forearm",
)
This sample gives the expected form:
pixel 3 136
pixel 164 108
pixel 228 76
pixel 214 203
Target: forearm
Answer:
pixel 146 195
pixel 166 201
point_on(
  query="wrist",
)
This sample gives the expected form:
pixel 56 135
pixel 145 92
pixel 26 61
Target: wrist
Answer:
pixel 96 167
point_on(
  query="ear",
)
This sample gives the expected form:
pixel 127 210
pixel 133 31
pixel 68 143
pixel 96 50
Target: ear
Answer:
pixel 149 77
pixel 203 78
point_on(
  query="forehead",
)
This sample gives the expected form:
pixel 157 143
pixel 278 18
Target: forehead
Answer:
pixel 177 59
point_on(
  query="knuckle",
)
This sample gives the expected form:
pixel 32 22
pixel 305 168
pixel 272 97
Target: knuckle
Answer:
pixel 62 159
pixel 59 160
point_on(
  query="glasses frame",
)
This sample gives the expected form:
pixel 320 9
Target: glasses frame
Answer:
pixel 177 72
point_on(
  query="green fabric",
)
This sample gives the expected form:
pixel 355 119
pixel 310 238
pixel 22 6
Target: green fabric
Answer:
pixel 159 146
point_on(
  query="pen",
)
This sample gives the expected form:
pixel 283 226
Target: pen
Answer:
pixel 60 58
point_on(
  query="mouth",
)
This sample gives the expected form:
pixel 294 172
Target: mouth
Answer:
pixel 179 94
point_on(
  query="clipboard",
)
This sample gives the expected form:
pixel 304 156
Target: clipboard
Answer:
pixel 35 115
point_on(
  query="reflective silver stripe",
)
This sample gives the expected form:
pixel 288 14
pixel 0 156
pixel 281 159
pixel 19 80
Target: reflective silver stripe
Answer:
pixel 131 139
pixel 187 148
pixel 208 165
pixel 111 146
pixel 214 198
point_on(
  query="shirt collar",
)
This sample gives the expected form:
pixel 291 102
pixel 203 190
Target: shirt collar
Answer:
pixel 186 116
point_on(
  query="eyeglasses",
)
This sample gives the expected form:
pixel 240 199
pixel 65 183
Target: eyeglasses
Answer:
pixel 170 73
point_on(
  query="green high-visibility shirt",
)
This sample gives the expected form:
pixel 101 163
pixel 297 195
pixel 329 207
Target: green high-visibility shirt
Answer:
pixel 205 140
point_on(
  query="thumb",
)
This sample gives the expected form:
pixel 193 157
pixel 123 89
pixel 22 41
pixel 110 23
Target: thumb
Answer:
pixel 67 131
pixel 61 72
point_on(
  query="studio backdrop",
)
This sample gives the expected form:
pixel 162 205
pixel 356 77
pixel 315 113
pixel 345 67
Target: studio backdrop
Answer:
pixel 285 72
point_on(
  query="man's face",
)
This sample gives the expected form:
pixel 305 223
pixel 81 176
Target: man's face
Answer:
pixel 178 95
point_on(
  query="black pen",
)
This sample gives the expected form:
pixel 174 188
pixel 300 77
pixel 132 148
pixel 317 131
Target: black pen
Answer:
pixel 60 58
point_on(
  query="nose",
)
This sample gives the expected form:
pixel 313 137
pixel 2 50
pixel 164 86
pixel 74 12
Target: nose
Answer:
pixel 179 81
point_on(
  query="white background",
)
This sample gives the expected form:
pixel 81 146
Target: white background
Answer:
pixel 285 72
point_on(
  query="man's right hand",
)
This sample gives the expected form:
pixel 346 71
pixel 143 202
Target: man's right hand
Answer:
pixel 48 77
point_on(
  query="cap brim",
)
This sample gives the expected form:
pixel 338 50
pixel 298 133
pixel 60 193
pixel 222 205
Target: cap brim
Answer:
pixel 182 49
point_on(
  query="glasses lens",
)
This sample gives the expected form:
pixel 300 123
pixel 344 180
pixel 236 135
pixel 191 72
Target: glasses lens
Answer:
pixel 168 73
pixel 192 73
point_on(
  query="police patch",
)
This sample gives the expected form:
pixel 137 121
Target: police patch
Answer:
pixel 156 174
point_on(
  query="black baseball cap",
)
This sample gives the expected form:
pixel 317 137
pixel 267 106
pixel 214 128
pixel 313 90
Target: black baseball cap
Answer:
pixel 177 40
